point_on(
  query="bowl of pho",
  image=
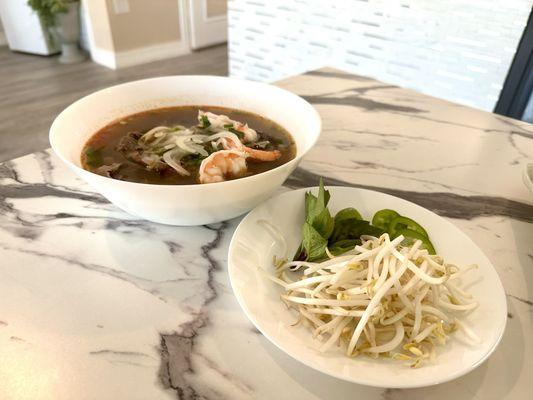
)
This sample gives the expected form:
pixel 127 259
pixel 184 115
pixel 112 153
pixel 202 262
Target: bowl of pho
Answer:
pixel 186 150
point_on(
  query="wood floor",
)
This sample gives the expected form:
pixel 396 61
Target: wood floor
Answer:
pixel 34 89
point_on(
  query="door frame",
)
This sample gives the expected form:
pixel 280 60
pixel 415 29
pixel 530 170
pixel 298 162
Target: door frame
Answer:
pixel 518 85
pixel 205 31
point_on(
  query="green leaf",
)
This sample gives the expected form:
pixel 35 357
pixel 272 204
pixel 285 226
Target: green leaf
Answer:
pixel 315 205
pixel 205 122
pixel 317 218
pixel 313 243
pixel 48 9
pixel 372 230
pixel 191 161
pixel 93 157
pixel 348 229
pixel 342 246
pixel 317 213
pixel 347 213
pixel 239 134
pixel 352 229
pixel 411 236
pixel 323 223
pixel 300 254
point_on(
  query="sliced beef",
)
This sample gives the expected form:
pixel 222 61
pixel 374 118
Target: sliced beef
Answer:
pixel 159 166
pixel 130 148
pixel 109 170
pixel 129 142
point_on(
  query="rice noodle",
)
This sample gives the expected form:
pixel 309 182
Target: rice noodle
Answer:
pixel 172 158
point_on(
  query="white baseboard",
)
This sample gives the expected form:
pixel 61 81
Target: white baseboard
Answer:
pixel 151 53
pixel 104 57
pixel 138 56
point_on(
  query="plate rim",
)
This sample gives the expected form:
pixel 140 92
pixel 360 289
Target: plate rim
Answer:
pixel 280 346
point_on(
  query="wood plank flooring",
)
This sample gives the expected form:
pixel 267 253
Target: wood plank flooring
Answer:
pixel 34 89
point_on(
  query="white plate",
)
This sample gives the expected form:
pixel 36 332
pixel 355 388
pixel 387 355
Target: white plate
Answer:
pixel 259 298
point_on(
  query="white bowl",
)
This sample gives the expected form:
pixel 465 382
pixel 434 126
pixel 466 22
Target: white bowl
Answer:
pixel 185 204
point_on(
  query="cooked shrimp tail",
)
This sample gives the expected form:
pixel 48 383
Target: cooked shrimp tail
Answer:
pixel 221 165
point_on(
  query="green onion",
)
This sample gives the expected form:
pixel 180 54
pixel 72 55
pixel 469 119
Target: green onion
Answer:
pixel 93 157
pixel 205 122
pixel 239 134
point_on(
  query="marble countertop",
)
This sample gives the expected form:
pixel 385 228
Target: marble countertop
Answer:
pixel 95 304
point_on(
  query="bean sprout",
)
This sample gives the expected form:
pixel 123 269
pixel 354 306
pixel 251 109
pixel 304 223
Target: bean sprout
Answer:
pixel 382 299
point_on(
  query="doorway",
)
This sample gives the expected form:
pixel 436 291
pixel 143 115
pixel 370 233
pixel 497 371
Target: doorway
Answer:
pixel 516 100
pixel 208 22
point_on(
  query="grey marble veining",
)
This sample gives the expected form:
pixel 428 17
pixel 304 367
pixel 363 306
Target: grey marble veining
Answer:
pixel 97 304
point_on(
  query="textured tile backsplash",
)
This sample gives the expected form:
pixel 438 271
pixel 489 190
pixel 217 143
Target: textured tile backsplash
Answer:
pixel 458 50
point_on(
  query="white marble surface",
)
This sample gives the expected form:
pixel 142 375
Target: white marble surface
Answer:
pixel 95 304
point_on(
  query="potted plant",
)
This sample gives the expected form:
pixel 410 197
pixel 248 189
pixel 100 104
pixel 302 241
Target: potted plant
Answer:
pixel 61 19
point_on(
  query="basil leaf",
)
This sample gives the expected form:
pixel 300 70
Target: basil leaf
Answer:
pixel 348 229
pixel 323 223
pixel 372 230
pixel 348 213
pixel 316 211
pixel 313 243
pixel 342 246
pixel 300 254
pixel 317 218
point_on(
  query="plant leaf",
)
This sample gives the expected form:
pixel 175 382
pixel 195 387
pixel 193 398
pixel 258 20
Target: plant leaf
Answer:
pixel 313 243
pixel 348 213
pixel 93 157
pixel 342 246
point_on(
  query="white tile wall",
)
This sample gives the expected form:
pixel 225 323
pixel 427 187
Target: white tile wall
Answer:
pixel 459 50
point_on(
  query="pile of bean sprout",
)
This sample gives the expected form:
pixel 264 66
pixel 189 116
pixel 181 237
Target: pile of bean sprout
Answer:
pixel 382 298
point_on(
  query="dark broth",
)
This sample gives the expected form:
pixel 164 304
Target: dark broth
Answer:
pixel 100 149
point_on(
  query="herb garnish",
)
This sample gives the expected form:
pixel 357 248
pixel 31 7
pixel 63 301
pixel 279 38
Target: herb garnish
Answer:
pixel 205 122
pixel 343 232
pixel 93 157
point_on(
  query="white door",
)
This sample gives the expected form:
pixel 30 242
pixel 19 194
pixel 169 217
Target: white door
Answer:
pixel 208 22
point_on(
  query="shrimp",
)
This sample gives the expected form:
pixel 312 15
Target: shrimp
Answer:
pixel 222 122
pixel 232 142
pixel 221 164
pixel 262 155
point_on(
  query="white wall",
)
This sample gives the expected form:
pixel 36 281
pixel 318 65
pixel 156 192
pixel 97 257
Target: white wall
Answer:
pixel 3 40
pixel 458 50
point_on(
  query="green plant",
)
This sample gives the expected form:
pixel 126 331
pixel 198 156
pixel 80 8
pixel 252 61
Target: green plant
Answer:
pixel 48 9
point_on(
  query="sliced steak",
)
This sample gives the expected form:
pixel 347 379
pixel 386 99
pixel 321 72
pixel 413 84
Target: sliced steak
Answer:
pixel 108 170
